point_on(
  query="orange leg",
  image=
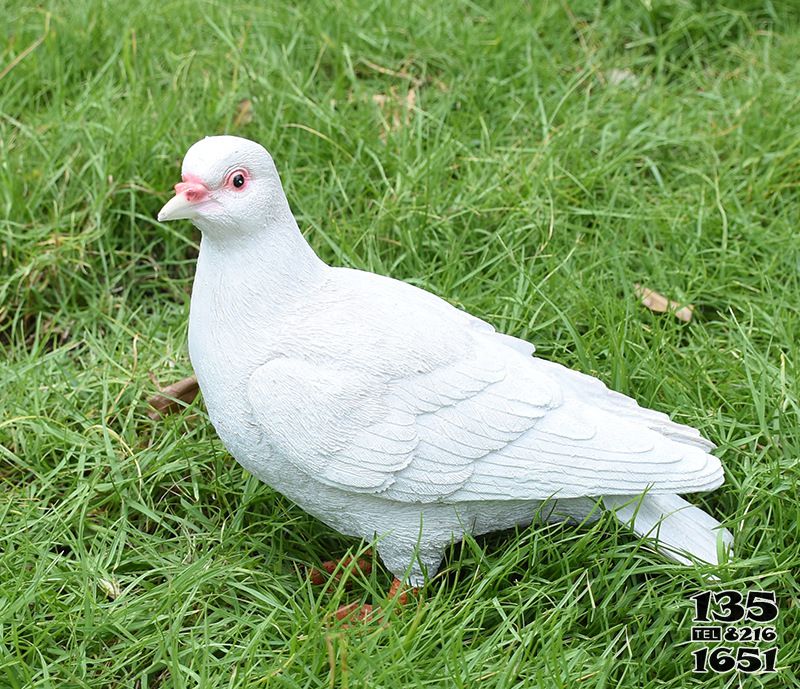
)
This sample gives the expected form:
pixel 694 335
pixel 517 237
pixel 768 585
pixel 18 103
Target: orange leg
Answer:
pixel 400 592
pixel 365 612
pixel 330 566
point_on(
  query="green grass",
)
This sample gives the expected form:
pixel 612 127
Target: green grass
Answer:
pixel 557 154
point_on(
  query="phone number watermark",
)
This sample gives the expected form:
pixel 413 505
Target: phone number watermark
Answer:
pixel 746 619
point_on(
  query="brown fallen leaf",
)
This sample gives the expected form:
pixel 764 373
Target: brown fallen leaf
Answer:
pixel 169 399
pixel 660 304
pixel 244 113
pixel 396 109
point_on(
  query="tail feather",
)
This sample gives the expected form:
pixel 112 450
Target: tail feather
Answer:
pixel 678 527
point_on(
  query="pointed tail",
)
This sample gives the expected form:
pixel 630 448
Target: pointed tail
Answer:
pixel 679 527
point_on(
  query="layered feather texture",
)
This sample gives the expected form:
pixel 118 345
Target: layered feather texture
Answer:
pixel 387 412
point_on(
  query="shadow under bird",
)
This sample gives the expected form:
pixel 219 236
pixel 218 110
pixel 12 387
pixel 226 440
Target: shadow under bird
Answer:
pixel 386 412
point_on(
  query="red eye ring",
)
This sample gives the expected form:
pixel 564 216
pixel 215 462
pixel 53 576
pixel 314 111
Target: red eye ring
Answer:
pixel 237 180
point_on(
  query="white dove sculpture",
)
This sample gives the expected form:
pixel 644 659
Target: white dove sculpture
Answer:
pixel 388 413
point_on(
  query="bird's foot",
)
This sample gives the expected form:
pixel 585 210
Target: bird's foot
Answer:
pixel 337 567
pixel 354 612
pixel 399 591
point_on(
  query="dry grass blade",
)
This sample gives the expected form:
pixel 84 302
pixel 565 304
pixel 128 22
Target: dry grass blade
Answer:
pixel 33 46
pixel 244 113
pixel 660 304
pixel 169 399
pixel 396 109
pixel 110 587
pixel 616 77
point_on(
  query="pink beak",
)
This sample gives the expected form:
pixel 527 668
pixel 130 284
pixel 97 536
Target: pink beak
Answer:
pixel 188 195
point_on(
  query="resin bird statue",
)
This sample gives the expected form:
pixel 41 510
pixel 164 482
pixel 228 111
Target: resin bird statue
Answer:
pixel 390 414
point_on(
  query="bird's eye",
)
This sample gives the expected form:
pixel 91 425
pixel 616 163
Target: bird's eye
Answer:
pixel 237 179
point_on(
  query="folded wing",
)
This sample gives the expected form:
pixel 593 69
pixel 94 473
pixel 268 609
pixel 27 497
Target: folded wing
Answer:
pixel 491 424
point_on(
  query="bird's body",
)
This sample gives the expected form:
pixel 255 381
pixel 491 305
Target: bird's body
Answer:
pixel 385 411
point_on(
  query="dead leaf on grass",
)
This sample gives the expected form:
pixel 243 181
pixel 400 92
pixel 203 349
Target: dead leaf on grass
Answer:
pixel 660 304
pixel 396 109
pixel 170 398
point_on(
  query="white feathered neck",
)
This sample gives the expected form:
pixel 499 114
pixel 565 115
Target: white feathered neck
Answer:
pixel 270 260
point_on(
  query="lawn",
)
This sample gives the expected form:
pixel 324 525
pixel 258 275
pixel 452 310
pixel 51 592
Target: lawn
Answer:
pixel 529 162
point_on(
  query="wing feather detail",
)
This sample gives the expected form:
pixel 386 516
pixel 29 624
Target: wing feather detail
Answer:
pixel 488 424
pixel 594 391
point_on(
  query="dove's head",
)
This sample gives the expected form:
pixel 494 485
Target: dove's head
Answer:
pixel 229 187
